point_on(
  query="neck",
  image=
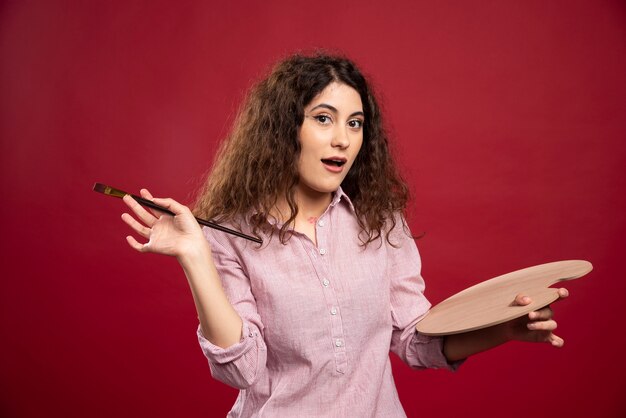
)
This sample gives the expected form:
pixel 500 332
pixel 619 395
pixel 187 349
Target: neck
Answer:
pixel 311 204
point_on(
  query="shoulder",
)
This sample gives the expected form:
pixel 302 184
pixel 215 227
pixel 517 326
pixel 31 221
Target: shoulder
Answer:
pixel 224 242
pixel 397 231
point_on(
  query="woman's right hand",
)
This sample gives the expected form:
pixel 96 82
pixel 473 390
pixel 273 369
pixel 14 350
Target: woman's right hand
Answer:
pixel 176 236
pixel 181 236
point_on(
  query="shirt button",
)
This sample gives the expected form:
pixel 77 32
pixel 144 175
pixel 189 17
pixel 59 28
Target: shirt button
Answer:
pixel 322 251
pixel 338 343
pixel 321 223
pixel 333 311
pixel 325 282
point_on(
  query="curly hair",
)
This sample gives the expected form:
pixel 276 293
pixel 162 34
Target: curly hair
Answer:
pixel 257 164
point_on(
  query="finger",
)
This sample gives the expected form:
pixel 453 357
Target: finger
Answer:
pixel 172 205
pixel 143 215
pixel 136 245
pixel 136 226
pixel 522 300
pixel 148 196
pixel 563 293
pixel 542 325
pixel 542 314
pixel 556 341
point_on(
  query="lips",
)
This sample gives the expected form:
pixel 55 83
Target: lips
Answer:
pixel 334 164
pixel 334 161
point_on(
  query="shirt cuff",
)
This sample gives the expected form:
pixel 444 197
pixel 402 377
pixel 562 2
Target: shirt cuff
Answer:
pixel 429 351
pixel 219 355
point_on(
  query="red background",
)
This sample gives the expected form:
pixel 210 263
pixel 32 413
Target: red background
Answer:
pixel 509 123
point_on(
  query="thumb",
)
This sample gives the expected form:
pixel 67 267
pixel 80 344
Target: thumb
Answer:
pixel 521 300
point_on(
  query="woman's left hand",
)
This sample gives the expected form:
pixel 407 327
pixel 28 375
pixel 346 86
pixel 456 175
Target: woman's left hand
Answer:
pixel 537 326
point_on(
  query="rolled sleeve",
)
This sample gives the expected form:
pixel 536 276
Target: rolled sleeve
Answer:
pixel 420 351
pixel 427 352
pixel 240 364
pixel 409 305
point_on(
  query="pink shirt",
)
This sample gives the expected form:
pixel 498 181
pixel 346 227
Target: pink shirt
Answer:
pixel 319 322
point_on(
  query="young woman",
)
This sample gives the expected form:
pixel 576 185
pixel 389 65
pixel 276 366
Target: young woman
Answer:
pixel 304 323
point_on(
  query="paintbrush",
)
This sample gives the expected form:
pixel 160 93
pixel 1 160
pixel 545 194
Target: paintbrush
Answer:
pixel 111 191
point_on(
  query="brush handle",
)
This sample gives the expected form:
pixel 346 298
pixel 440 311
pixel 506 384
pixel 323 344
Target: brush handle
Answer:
pixel 152 205
pixel 112 191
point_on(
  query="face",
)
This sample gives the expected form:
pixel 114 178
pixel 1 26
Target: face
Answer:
pixel 330 139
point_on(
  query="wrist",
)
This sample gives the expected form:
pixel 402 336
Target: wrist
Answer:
pixel 503 333
pixel 194 253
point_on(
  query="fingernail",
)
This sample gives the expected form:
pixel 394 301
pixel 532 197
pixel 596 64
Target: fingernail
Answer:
pixel 531 326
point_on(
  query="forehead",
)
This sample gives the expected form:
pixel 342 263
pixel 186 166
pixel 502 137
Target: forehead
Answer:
pixel 338 95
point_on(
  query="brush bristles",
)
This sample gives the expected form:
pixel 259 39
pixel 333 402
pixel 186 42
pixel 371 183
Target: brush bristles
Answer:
pixel 108 190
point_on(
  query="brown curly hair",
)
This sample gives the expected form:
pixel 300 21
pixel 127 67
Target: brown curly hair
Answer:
pixel 257 164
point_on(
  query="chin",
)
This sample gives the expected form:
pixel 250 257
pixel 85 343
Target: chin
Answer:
pixel 328 189
pixel 324 188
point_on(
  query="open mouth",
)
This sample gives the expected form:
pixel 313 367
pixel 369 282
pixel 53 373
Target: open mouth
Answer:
pixel 334 162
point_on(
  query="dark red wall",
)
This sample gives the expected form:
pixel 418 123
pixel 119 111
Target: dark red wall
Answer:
pixel 509 119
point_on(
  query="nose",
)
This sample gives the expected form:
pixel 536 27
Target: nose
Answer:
pixel 340 138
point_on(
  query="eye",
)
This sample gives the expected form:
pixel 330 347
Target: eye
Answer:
pixel 323 119
pixel 355 123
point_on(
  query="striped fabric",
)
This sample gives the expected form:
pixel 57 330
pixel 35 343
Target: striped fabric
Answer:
pixel 319 321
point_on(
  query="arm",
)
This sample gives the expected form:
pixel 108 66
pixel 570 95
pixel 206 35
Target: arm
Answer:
pixel 536 327
pixel 409 305
pixel 181 236
pixel 230 327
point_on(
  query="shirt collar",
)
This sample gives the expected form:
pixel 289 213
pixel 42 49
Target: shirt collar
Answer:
pixel 338 196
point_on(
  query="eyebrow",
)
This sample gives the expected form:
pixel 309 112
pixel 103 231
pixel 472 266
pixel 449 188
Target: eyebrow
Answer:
pixel 334 109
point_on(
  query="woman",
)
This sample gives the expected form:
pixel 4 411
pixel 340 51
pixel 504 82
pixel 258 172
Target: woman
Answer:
pixel 304 323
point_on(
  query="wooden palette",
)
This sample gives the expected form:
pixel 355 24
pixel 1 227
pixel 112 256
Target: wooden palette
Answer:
pixel 492 302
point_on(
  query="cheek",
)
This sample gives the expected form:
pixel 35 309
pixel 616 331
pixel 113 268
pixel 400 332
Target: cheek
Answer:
pixel 358 147
pixel 306 161
pixel 310 147
pixel 357 152
pixel 305 154
pixel 360 142
pixel 306 141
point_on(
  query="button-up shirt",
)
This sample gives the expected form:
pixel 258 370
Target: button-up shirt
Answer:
pixel 319 321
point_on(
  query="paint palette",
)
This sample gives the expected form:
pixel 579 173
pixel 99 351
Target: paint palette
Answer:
pixel 492 302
